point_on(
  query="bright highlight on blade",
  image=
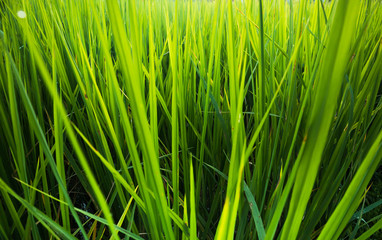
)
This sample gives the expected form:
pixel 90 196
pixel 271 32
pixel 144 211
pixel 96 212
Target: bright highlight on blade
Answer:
pixel 21 14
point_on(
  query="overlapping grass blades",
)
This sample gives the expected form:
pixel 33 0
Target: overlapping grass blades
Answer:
pixel 190 119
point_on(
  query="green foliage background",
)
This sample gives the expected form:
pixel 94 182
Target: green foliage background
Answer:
pixel 190 119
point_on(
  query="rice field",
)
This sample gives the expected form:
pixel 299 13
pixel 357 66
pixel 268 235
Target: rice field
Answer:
pixel 188 119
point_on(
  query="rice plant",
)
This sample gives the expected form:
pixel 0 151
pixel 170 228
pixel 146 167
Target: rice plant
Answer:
pixel 184 119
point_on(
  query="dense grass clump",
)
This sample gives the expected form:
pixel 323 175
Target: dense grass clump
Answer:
pixel 190 119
